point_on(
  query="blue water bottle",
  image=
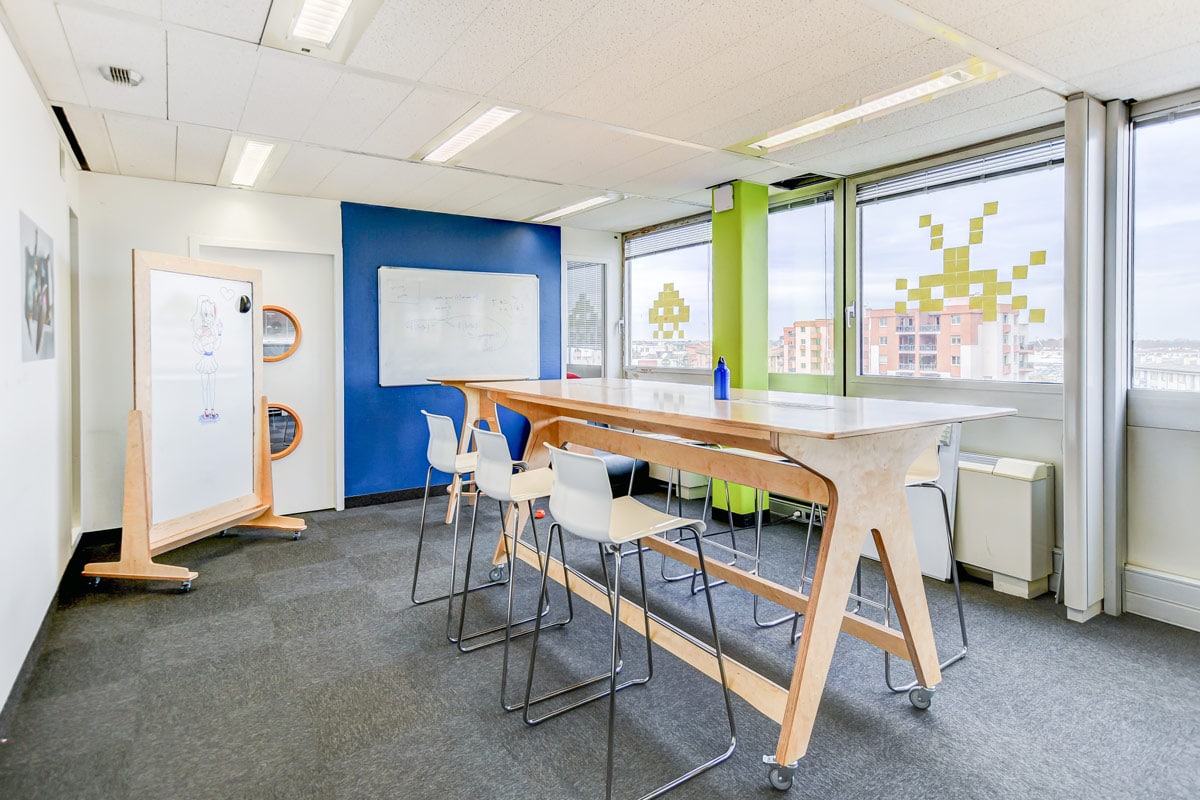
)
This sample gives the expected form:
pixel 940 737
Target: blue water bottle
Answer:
pixel 721 380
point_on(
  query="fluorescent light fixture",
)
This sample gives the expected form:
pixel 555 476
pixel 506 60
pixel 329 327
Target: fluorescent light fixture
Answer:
pixel 865 109
pixel 574 208
pixel 318 20
pixel 484 124
pixel 254 158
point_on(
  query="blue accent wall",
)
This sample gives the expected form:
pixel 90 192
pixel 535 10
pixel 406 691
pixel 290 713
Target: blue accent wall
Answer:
pixel 385 432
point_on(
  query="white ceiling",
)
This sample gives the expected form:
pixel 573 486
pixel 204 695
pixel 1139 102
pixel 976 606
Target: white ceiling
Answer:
pixel 636 97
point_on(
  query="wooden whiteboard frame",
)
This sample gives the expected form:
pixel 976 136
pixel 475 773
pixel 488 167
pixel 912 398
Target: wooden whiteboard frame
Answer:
pixel 141 538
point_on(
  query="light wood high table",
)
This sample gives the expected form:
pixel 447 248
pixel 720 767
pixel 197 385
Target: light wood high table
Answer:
pixel 478 408
pixel 849 453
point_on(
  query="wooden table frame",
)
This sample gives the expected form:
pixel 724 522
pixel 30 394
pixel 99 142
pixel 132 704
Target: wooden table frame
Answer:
pixel 848 453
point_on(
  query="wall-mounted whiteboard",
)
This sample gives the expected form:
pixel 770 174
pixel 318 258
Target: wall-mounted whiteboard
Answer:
pixel 202 360
pixel 440 322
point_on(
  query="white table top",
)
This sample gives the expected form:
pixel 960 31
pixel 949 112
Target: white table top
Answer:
pixel 813 415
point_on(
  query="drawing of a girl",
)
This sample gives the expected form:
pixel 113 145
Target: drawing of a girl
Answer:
pixel 206 340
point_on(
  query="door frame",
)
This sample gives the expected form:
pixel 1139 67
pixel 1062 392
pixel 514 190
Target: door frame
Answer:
pixel 196 241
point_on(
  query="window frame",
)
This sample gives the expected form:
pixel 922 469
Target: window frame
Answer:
pixel 1151 408
pixel 1039 400
pixel 820 384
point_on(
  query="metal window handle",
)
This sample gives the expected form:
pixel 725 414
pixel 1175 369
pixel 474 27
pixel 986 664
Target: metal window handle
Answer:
pixel 850 316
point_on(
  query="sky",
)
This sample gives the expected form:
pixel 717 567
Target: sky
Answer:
pixel 1166 229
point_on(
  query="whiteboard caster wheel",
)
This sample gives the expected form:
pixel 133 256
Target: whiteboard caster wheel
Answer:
pixel 185 587
pixel 920 697
pixel 223 533
pixel 780 778
pixel 497 574
pixel 296 536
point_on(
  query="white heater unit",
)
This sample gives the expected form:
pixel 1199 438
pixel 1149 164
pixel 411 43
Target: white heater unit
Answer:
pixel 1005 521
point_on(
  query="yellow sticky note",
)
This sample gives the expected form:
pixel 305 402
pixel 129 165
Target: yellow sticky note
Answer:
pixel 936 230
pixel 989 301
pixel 1003 287
pixel 1020 272
pixel 976 237
pixel 990 275
pixel 989 289
pixel 963 252
pixel 936 243
pixel 901 284
pixel 1037 257
pixel 925 221
pixel 901 308
pixel 931 305
pixel 989 315
pixel 919 294
pixel 1019 302
pixel 991 208
pixel 976 223
pixel 1037 315
pixel 976 302
pixel 932 280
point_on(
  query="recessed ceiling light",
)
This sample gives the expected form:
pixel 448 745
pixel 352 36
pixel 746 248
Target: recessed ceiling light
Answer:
pixel 574 208
pixel 318 20
pixel 254 158
pixel 473 132
pixel 944 81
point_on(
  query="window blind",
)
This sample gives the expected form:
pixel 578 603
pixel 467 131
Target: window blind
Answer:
pixel 981 168
pixel 585 306
pixel 670 236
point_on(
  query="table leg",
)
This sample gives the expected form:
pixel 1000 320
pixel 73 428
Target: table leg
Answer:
pixel 865 475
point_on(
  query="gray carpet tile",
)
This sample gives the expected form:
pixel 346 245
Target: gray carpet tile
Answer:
pixel 301 670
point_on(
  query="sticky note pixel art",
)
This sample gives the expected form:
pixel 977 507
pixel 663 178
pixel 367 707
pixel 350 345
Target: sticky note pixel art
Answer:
pixel 668 312
pixel 982 288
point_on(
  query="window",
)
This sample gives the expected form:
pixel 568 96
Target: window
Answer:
pixel 956 360
pixel 585 318
pixel 981 239
pixel 955 340
pixel 1166 239
pixel 883 322
pixel 669 270
pixel 800 264
pixel 883 340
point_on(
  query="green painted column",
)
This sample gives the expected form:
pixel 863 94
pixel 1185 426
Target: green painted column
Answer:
pixel 739 247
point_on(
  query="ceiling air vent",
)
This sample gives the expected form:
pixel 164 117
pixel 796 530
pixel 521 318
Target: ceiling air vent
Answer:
pixel 121 75
pixel 800 181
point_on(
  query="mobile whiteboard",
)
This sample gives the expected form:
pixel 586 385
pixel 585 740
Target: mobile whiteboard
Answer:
pixel 439 321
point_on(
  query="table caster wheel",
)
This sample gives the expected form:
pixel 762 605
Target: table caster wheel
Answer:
pixel 296 536
pixel 94 581
pixel 185 587
pixel 920 697
pixel 223 533
pixel 780 778
pixel 497 574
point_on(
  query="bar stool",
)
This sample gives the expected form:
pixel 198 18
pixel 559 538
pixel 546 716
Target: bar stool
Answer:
pixel 581 502
pixel 443 456
pixel 495 478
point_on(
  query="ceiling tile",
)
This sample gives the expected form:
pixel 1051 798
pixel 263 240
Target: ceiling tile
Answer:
pixel 199 153
pixel 632 214
pixel 1157 75
pixel 39 34
pixel 100 40
pixel 422 115
pixel 597 163
pixel 519 196
pixel 367 178
pixel 499 40
pixel 239 19
pixel 286 94
pixel 210 77
pixel 302 170
pixel 354 109
pixel 704 170
pixel 597 39
pixel 146 8
pixel 145 148
pixel 405 39
pixel 92 134
pixel 469 189
pixel 665 155
pixel 535 148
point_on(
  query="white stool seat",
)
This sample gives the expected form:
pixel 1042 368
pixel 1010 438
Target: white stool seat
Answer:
pixel 530 485
pixel 632 519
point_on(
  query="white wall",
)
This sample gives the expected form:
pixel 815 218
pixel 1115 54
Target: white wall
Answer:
pixel 1162 483
pixel 605 247
pixel 35 409
pixel 119 214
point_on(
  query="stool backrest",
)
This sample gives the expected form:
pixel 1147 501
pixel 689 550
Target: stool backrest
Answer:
pixel 494 471
pixel 443 442
pixel 581 497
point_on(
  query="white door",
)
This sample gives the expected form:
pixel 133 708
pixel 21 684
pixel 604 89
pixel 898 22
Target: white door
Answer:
pixel 303 283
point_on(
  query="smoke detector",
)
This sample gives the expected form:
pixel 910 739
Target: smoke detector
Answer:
pixel 122 76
